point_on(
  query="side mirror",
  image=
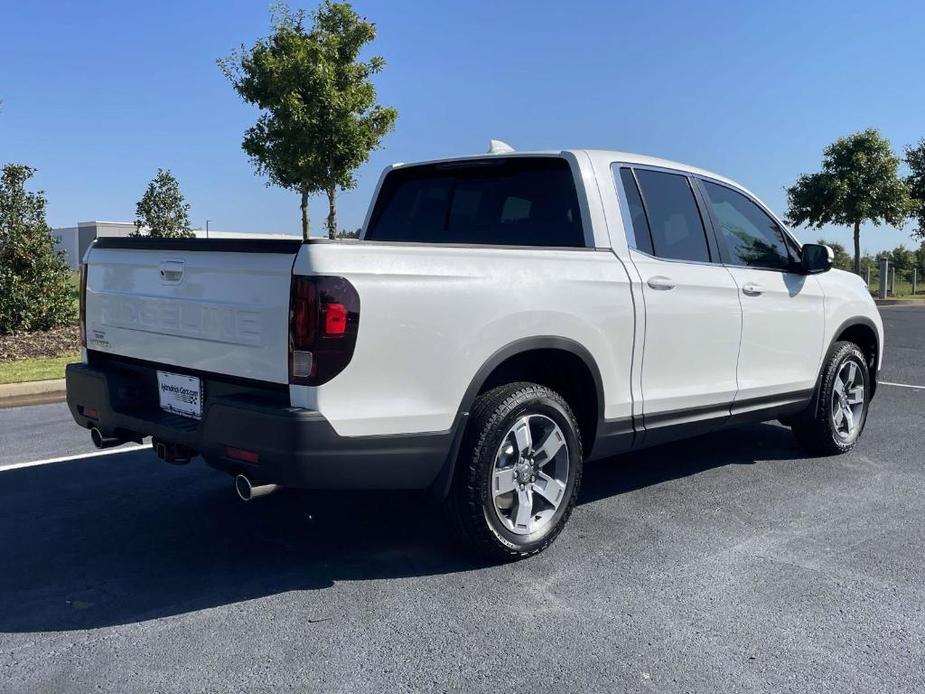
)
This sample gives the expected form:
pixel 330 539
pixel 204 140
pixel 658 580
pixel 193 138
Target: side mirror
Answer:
pixel 816 258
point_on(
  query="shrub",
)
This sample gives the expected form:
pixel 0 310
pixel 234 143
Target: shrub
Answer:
pixel 35 291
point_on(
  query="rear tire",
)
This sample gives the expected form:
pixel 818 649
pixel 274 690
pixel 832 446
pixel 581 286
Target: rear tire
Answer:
pixel 835 420
pixel 518 472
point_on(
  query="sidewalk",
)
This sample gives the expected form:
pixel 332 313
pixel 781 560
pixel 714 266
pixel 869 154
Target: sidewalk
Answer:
pixel 32 393
pixel 899 302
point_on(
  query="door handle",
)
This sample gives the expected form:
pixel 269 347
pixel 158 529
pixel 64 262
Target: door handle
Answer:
pixel 751 289
pixel 661 282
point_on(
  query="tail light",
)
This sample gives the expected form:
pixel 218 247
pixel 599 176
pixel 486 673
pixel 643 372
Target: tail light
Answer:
pixel 83 305
pixel 324 315
pixel 242 454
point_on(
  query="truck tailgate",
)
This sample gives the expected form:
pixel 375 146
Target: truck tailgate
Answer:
pixel 214 306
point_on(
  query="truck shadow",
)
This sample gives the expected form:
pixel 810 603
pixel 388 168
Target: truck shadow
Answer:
pixel 124 538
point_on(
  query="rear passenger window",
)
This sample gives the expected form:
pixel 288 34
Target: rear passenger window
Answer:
pixel 519 201
pixel 637 237
pixel 750 235
pixel 674 220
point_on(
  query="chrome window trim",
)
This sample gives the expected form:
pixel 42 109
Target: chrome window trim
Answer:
pixel 628 227
pixel 708 263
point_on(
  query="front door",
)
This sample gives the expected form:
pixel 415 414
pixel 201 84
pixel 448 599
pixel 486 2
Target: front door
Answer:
pixel 782 326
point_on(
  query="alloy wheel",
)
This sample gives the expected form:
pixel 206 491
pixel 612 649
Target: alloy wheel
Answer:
pixel 848 400
pixel 530 474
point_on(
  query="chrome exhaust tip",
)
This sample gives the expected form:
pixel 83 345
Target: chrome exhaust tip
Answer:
pixel 100 440
pixel 247 490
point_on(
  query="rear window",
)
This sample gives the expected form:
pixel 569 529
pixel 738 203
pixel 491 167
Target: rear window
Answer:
pixel 674 220
pixel 528 201
pixel 640 237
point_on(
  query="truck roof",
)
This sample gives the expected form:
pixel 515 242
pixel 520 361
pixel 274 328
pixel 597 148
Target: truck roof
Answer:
pixel 609 155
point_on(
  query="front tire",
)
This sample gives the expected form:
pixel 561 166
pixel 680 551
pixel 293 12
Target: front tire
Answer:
pixel 518 474
pixel 836 418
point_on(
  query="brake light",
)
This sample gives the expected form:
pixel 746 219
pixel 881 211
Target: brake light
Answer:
pixel 83 305
pixel 324 318
pixel 335 320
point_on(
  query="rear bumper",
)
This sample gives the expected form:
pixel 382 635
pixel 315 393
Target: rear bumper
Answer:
pixel 295 447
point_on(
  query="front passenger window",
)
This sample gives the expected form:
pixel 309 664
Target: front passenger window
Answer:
pixel 751 237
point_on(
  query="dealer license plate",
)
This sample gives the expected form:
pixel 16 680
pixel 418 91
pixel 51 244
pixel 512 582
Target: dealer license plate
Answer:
pixel 180 394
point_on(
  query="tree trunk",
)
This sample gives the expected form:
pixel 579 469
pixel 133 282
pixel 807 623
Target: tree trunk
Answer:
pixel 304 207
pixel 857 248
pixel 332 212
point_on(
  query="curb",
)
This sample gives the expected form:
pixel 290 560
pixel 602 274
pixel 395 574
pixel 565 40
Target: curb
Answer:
pixel 899 302
pixel 32 393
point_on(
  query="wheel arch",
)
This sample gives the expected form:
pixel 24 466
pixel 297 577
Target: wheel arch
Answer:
pixel 559 363
pixel 863 332
pixel 556 362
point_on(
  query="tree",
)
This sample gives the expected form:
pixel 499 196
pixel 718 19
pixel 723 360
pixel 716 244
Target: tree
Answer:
pixel 842 260
pixel 35 291
pixel 920 260
pixel 352 124
pixel 902 259
pixel 320 120
pixel 162 210
pixel 859 183
pixel 915 160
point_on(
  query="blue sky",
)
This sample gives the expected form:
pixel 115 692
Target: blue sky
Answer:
pixel 97 95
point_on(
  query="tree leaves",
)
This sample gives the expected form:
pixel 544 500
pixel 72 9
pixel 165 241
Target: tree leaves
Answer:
pixel 162 211
pixel 35 281
pixel 859 183
pixel 320 119
pixel 915 160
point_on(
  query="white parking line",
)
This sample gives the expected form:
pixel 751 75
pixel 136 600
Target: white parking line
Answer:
pixel 901 385
pixel 78 456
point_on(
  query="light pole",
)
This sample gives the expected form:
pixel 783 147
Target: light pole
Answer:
pixel 207 227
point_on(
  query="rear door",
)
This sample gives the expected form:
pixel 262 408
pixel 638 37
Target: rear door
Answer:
pixel 782 309
pixel 693 315
pixel 215 306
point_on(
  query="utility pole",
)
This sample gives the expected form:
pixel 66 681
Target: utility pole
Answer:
pixel 915 277
pixel 207 227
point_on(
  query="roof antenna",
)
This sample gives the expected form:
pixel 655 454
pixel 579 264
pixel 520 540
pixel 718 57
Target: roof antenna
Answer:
pixel 499 147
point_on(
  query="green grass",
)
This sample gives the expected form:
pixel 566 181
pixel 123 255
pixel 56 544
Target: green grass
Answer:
pixel 903 289
pixel 40 369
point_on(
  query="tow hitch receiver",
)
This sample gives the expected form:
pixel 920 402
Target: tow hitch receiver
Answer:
pixel 173 453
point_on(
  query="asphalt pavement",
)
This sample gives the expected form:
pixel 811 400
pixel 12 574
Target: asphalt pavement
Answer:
pixel 726 563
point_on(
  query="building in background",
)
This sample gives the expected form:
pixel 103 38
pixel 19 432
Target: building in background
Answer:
pixel 74 241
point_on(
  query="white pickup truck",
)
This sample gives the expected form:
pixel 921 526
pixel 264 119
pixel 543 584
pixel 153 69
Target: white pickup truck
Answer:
pixel 502 319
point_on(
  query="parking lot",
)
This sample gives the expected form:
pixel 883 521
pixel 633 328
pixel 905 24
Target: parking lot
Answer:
pixel 726 563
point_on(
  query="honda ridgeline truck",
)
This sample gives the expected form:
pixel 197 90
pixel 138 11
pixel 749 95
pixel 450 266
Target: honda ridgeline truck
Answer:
pixel 502 320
